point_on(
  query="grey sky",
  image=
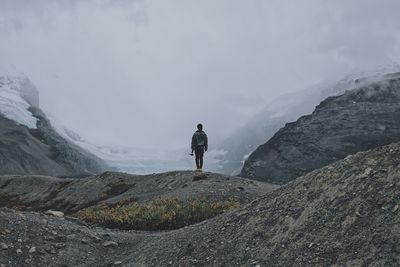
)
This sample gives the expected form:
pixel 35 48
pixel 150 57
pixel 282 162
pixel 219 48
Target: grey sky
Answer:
pixel 143 73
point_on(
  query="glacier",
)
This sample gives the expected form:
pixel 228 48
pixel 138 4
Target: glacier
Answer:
pixel 17 95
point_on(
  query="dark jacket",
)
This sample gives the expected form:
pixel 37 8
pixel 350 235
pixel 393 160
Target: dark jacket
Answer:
pixel 199 139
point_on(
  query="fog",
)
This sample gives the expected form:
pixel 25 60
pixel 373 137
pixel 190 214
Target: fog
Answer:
pixel 144 73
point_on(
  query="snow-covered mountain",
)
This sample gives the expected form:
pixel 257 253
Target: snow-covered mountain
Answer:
pixel 17 95
pixel 363 118
pixel 232 153
pixel 19 102
pixel 28 142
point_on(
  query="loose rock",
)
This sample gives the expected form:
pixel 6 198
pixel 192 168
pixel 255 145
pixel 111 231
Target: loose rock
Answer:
pixel 110 243
pixel 58 214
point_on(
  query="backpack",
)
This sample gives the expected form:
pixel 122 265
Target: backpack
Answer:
pixel 201 138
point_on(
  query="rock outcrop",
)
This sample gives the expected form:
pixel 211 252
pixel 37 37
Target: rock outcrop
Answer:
pixel 360 119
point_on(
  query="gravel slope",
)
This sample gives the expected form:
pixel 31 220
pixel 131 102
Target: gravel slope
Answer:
pixel 41 193
pixel 345 214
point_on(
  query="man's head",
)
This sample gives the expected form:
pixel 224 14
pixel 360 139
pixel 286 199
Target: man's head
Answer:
pixel 200 127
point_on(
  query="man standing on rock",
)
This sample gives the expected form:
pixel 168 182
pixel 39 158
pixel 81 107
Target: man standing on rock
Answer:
pixel 199 146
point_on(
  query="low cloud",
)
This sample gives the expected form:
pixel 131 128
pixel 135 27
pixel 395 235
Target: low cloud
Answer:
pixel 144 73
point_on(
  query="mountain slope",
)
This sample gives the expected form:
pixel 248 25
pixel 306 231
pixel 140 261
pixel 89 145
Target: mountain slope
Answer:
pixel 345 214
pixel 358 120
pixel 286 108
pixel 267 122
pixel 28 143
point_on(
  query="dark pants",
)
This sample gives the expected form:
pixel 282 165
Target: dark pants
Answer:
pixel 199 152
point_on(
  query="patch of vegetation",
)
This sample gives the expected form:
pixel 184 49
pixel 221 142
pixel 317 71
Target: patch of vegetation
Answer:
pixel 158 214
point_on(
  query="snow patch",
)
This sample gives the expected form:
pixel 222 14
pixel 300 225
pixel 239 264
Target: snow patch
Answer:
pixel 17 95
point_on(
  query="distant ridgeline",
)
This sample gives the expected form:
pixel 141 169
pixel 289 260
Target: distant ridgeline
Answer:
pixel 286 108
pixel 363 118
pixel 28 142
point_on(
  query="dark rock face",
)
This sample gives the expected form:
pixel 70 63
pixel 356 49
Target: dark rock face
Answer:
pixel 360 119
pixel 42 151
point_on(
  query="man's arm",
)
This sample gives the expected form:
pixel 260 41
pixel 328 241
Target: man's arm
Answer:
pixel 193 142
pixel 206 143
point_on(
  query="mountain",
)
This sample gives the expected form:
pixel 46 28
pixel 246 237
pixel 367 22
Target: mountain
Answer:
pixel 28 142
pixel 286 108
pixel 17 95
pixel 360 119
pixel 232 152
pixel 345 214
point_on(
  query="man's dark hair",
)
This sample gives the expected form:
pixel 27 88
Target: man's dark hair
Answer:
pixel 200 127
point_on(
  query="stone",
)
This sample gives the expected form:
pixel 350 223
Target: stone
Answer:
pixel 3 246
pixel 95 237
pixel 110 243
pixel 60 245
pixel 58 214
pixel 71 237
pixel 32 250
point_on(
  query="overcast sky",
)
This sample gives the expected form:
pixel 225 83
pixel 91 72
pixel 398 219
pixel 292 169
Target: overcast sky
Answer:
pixel 144 73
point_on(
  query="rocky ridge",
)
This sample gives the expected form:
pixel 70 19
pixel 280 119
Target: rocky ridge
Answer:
pixel 360 119
pixel 41 193
pixel 283 109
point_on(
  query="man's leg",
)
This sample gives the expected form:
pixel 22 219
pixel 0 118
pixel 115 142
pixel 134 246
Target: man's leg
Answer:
pixel 197 159
pixel 198 162
pixel 201 158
